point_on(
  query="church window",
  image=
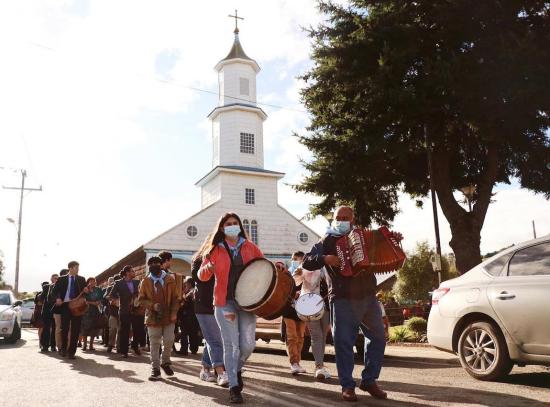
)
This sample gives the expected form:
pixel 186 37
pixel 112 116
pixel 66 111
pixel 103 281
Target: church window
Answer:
pixel 244 86
pixel 303 237
pixel 249 196
pixel 254 231
pixel 192 231
pixel 246 226
pixel 247 143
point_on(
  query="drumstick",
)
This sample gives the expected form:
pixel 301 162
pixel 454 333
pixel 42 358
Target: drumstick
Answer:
pixel 322 299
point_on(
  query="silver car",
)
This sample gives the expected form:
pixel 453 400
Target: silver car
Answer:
pixel 10 317
pixel 497 314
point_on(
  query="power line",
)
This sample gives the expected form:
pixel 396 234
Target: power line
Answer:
pixel 194 88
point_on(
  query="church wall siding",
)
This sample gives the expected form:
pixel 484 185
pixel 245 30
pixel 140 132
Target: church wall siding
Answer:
pixel 230 83
pixel 232 123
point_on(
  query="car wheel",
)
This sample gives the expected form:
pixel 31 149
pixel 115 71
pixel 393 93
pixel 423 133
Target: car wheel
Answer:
pixel 15 335
pixel 483 352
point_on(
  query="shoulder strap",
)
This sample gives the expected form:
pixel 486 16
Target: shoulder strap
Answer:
pixel 228 251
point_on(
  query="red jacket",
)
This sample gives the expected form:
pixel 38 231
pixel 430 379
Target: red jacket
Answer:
pixel 220 258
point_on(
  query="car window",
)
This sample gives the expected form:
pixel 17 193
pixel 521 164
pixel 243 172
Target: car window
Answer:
pixel 495 267
pixel 531 261
pixel 5 299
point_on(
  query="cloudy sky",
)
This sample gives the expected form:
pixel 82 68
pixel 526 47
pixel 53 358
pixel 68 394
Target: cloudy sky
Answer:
pixel 99 102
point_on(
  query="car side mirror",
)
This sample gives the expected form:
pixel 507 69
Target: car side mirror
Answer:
pixel 17 304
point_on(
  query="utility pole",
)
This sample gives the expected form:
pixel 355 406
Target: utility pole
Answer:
pixel 437 262
pixel 534 230
pixel 22 189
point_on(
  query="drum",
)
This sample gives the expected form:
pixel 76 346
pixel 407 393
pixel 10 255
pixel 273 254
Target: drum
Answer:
pixel 264 290
pixel 78 306
pixel 310 307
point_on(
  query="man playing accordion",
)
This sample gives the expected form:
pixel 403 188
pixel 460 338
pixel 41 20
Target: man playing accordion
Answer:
pixel 353 305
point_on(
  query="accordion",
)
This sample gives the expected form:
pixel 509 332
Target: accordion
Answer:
pixel 376 251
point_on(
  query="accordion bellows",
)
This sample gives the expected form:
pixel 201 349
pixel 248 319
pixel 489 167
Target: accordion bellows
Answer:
pixel 376 251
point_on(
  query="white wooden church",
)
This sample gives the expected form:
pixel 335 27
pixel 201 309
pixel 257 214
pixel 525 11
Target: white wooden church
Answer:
pixel 237 182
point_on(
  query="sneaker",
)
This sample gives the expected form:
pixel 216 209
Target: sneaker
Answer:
pixel 155 375
pixel 301 369
pixel 235 395
pixel 167 369
pixel 295 368
pixel 207 376
pixel 322 374
pixel 223 380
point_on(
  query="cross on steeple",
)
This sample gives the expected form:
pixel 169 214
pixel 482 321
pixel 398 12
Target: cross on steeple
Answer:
pixel 236 17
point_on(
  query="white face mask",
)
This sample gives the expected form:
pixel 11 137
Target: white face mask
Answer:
pixel 232 231
pixel 293 265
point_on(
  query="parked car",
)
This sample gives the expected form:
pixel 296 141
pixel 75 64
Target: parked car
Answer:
pixel 27 309
pixel 495 316
pixel 10 317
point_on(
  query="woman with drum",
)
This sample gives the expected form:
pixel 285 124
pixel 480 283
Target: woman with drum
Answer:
pixel 224 257
pixel 315 287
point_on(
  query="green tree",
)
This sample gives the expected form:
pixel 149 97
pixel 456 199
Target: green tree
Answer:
pixel 417 278
pixel 473 74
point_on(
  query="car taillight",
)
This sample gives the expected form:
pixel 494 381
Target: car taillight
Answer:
pixel 438 294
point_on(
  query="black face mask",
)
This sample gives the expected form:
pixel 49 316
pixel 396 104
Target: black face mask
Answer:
pixel 155 270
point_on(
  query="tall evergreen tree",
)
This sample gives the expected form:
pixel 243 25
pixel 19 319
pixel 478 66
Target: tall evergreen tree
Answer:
pixel 473 74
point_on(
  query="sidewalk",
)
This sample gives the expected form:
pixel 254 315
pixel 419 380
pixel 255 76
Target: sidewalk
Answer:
pixel 426 354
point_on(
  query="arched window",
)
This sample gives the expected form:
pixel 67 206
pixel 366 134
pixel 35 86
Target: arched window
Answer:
pixel 254 231
pixel 246 226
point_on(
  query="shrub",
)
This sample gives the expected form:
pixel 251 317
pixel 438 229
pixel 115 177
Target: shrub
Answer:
pixel 401 334
pixel 417 325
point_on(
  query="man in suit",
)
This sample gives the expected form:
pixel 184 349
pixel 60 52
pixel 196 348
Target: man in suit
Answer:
pixel 126 290
pixel 67 288
pixel 47 339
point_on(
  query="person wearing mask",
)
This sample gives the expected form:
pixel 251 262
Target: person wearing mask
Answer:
pixel 295 328
pixel 157 293
pixel 36 318
pixel 125 291
pixel 189 326
pixel 67 288
pixel 165 264
pixel 90 318
pixel 224 258
pixel 315 281
pixel 353 305
pixel 212 356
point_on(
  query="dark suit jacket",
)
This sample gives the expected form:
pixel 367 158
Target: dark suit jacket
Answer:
pixel 120 290
pixel 60 288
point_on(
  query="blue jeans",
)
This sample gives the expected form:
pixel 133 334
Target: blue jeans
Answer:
pixel 238 329
pixel 347 317
pixel 212 355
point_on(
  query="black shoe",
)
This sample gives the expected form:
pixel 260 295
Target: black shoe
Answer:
pixel 43 350
pixel 155 375
pixel 125 355
pixel 137 351
pixel 53 349
pixel 72 357
pixel 240 381
pixel 109 349
pixel 168 370
pixel 235 395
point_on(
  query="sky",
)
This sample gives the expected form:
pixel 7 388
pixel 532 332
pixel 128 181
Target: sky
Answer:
pixel 99 103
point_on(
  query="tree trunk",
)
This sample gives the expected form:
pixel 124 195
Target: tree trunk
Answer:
pixel 465 241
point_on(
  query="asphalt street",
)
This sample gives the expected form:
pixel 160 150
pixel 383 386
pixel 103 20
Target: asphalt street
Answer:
pixel 412 376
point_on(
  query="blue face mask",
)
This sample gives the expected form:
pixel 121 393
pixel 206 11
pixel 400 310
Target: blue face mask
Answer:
pixel 341 226
pixel 232 231
pixel 293 266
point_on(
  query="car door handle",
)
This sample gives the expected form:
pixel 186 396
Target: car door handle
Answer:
pixel 505 296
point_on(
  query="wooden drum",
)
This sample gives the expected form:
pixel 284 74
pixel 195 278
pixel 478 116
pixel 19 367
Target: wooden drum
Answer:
pixel 264 290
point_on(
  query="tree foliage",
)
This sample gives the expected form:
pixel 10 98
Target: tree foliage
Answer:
pixel 471 75
pixel 417 278
pixel 2 268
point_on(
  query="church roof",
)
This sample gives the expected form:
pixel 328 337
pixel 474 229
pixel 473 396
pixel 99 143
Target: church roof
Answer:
pixel 237 52
pixel 243 106
pixel 259 171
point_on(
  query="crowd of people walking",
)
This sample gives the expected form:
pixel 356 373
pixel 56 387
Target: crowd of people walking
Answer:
pixel 151 313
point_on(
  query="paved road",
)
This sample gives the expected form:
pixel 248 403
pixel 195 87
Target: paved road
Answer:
pixel 412 376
